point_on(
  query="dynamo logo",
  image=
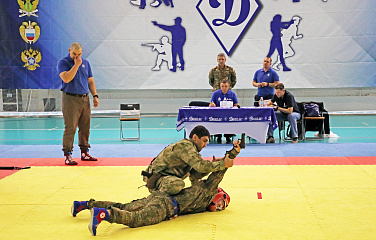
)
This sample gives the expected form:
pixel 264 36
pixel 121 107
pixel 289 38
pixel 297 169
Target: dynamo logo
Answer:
pixel 228 19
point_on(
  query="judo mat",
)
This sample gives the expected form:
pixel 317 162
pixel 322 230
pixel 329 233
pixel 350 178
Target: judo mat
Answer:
pixel 310 190
pixel 271 198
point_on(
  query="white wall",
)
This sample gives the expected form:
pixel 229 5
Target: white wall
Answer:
pixel 169 101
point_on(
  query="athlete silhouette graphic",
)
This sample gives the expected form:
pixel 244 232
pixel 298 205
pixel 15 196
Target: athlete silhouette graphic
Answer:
pixel 164 50
pixel 156 3
pixel 275 43
pixel 287 36
pixel 178 40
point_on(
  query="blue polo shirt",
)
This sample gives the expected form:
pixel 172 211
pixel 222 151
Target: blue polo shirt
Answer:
pixel 79 84
pixel 218 96
pixel 269 76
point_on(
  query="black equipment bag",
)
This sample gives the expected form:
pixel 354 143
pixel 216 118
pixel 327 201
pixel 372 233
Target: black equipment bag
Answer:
pixel 312 110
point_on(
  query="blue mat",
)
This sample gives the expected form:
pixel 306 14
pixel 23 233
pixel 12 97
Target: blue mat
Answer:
pixel 152 150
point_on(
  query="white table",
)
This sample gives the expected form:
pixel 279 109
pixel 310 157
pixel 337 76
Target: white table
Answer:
pixel 252 121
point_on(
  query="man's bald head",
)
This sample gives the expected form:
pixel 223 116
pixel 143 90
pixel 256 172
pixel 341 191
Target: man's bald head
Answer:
pixel 75 46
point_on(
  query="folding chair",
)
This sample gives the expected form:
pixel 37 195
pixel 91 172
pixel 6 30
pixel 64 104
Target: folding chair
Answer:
pixel 129 113
pixel 316 124
pixel 284 130
pixel 199 104
pixel 282 126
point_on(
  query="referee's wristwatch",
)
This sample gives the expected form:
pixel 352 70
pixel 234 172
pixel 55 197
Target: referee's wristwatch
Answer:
pixel 95 96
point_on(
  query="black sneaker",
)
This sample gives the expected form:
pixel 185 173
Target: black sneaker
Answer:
pixel 270 139
pixel 85 156
pixel 295 140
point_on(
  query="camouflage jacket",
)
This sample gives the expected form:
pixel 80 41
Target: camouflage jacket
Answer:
pixel 180 158
pixel 158 206
pixel 199 195
pixel 216 75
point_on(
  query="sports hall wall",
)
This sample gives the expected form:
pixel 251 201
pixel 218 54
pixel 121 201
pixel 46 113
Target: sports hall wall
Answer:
pixel 328 46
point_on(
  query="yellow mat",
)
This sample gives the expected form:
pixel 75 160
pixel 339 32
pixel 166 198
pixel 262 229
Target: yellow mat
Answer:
pixel 298 202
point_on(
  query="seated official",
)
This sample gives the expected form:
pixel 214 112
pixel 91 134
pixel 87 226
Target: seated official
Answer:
pixel 286 109
pixel 223 95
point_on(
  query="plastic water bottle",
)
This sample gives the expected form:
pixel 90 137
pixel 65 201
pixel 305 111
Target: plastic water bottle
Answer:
pixel 261 102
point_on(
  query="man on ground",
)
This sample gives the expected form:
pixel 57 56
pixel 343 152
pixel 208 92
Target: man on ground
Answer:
pixel 158 206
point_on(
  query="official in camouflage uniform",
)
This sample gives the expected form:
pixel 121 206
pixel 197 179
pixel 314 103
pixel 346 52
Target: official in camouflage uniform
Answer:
pixel 221 72
pixel 168 170
pixel 158 206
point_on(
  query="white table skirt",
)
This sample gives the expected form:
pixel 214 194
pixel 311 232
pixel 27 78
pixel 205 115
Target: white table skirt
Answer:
pixel 255 130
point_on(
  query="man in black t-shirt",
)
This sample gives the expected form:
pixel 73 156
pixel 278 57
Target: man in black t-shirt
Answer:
pixel 286 109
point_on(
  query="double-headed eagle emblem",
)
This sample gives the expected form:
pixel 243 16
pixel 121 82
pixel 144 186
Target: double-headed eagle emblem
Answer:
pixel 30 32
pixel 31 58
pixel 28 8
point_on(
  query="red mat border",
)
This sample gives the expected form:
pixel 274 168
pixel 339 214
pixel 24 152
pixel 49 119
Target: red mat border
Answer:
pixel 135 161
pixel 59 162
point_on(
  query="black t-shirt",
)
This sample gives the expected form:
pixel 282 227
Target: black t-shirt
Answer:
pixel 286 101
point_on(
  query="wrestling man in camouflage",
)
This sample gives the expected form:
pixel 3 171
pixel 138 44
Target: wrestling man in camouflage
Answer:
pixel 221 72
pixel 158 206
pixel 167 171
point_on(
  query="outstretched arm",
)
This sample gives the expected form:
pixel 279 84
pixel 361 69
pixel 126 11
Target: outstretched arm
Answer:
pixel 286 25
pixel 164 27
pixel 216 177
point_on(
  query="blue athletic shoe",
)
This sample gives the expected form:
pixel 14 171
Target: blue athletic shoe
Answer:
pixel 69 160
pixel 97 215
pixel 78 207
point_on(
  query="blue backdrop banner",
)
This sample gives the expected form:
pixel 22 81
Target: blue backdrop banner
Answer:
pixel 173 44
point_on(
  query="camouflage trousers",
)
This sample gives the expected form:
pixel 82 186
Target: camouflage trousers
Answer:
pixel 171 185
pixel 153 209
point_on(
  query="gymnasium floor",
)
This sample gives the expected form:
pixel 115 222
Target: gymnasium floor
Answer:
pixel 321 189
